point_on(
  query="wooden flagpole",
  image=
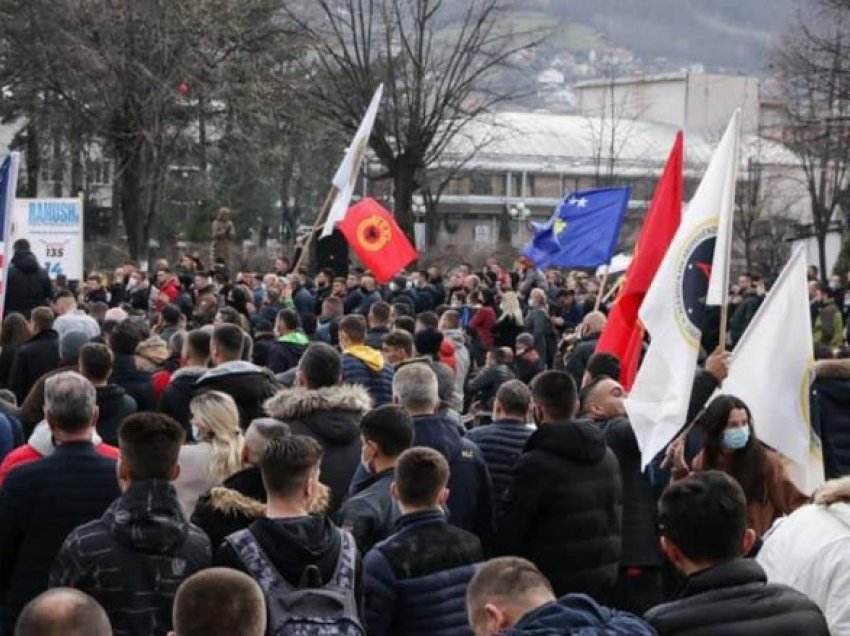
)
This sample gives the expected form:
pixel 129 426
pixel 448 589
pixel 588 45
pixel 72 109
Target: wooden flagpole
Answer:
pixel 320 221
pixel 602 287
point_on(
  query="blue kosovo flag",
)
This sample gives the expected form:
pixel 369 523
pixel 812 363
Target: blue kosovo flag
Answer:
pixel 582 232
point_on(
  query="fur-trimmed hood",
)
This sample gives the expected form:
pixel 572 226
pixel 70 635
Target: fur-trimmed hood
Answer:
pixel 331 415
pixel 299 403
pixel 232 502
pixel 833 369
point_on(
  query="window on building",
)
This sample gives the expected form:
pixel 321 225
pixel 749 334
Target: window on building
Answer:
pixel 481 183
pixel 545 185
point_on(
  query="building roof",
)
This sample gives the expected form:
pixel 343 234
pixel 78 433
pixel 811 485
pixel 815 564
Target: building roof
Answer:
pixel 572 144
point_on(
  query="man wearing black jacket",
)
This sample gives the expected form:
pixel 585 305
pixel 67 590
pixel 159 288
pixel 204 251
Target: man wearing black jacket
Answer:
pixel 370 512
pixel 563 510
pixel 28 284
pixel 41 502
pixel 37 356
pixel 134 558
pixel 639 582
pixel 113 403
pixel 703 523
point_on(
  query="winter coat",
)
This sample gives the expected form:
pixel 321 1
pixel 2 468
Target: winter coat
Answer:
pixel 286 352
pixel 378 381
pixel 578 614
pixel 782 497
pixel 133 559
pixel 640 510
pixel 36 357
pixel 233 506
pixel 538 325
pixel 375 337
pixel 40 445
pixel 293 544
pixel 576 361
pixel 331 416
pixel 370 512
pixel 114 404
pixel 178 394
pixel 352 300
pixel 248 385
pixel 563 509
pixel 735 599
pixel 482 324
pixel 528 365
pixel 416 579
pixel 464 363
pixel 831 414
pixel 810 551
pixel 7 359
pixel 264 343
pixel 194 479
pixel 485 385
pixel 501 443
pixel 40 503
pixel 505 332
pixel 743 314
pixel 470 503
pixel 11 435
pixel 366 302
pixel 28 286
pixel 531 278
pixel 136 382
pixel 829 325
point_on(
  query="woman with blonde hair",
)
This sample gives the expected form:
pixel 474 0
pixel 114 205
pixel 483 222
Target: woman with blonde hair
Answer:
pixel 217 453
pixel 510 323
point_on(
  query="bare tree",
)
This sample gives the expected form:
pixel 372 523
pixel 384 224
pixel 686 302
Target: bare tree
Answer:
pixel 439 64
pixel 143 78
pixel 813 63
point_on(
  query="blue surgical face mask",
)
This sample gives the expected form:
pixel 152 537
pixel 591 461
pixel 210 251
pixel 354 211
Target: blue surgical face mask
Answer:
pixel 736 438
pixel 196 433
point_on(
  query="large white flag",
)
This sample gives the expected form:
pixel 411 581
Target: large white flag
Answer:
pixel 346 175
pixel 674 308
pixel 718 287
pixel 771 371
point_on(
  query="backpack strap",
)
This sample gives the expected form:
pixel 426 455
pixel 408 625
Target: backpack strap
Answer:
pixel 257 563
pixel 346 565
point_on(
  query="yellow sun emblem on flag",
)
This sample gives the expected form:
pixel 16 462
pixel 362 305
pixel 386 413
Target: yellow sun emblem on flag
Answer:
pixel 373 233
pixel 559 226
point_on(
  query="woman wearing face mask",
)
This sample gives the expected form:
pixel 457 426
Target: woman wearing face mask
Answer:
pixel 217 452
pixel 730 445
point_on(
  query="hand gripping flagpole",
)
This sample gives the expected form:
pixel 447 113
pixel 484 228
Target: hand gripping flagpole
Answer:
pixel 602 287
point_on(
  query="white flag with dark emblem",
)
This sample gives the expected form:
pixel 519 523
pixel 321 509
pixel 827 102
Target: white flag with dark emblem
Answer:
pixel 771 371
pixel 673 310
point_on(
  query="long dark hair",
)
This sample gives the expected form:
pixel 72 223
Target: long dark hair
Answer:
pixel 747 465
pixel 15 332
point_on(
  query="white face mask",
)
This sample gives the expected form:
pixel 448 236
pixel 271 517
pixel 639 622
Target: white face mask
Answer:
pixel 197 435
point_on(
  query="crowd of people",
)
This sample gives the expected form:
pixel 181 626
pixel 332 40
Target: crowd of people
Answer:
pixel 195 451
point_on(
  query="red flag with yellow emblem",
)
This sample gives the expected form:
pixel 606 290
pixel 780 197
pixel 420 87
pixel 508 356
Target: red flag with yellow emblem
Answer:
pixel 377 240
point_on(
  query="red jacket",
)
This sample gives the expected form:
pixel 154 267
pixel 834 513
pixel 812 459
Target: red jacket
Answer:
pixel 26 454
pixel 482 324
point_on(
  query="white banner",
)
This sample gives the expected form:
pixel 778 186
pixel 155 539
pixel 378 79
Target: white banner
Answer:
pixel 54 228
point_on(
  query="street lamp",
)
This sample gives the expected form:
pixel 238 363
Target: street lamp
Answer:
pixel 520 213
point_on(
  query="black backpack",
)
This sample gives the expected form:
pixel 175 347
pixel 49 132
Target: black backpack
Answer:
pixel 311 609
